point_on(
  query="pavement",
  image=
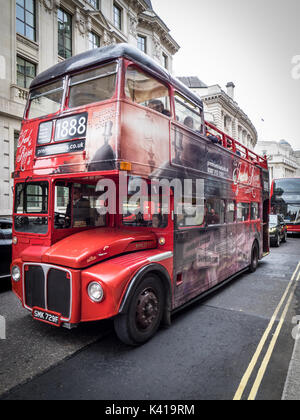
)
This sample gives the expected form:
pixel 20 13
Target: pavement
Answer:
pixel 291 390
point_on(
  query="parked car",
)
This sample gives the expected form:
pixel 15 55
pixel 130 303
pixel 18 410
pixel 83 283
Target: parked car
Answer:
pixel 277 229
pixel 5 247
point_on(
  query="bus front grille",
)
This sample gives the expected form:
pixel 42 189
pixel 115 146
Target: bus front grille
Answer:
pixel 48 288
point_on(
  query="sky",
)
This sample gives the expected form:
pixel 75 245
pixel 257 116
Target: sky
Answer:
pixel 253 43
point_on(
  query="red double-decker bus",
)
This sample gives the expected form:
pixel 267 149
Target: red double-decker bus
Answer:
pixel 103 224
pixel 285 200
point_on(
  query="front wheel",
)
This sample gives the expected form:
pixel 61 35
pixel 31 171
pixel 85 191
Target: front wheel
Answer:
pixel 144 314
pixel 254 258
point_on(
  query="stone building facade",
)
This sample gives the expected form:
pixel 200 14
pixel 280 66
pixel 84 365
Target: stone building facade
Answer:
pixel 37 34
pixel 283 161
pixel 223 111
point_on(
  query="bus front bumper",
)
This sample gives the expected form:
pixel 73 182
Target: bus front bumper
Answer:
pixel 59 296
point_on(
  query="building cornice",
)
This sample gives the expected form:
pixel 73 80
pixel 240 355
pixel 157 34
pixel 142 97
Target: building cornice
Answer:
pixel 151 21
pixel 232 107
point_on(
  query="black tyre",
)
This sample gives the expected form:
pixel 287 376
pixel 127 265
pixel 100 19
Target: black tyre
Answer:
pixel 254 258
pixel 144 314
pixel 277 241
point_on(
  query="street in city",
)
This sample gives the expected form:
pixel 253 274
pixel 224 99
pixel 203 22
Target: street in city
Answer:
pixel 236 344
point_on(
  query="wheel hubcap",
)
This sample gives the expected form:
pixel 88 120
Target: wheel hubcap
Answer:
pixel 147 309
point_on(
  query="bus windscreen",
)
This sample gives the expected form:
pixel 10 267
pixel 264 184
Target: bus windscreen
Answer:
pixel 286 199
pixel 45 100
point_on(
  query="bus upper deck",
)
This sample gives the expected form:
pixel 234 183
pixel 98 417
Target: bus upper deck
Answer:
pixel 114 105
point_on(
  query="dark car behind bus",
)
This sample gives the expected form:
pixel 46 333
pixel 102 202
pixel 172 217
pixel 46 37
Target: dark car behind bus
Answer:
pixel 277 229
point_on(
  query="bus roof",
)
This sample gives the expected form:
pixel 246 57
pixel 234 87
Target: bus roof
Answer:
pixel 99 55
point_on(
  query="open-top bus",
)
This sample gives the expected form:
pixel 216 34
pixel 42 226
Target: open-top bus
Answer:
pixel 285 200
pixel 100 231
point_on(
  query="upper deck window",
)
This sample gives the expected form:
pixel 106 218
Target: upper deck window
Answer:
pixel 96 85
pixel 45 100
pixel 188 114
pixel 147 91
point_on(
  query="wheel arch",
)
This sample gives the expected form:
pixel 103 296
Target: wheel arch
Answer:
pixel 257 242
pixel 162 273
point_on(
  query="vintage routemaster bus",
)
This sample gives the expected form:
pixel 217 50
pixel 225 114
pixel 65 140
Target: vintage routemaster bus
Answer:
pixel 85 251
pixel 285 200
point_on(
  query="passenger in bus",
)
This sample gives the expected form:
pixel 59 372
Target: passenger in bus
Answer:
pixel 81 209
pixel 156 220
pixel 213 218
pixel 213 138
pixel 229 145
pixel 189 122
pixel 158 106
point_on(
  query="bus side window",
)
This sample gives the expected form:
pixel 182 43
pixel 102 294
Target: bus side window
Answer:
pixel 188 114
pixel 215 212
pixel 190 213
pixel 254 211
pixel 230 212
pixel 243 212
pixel 147 91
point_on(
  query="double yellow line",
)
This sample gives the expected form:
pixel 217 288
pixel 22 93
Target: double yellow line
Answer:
pixel 289 291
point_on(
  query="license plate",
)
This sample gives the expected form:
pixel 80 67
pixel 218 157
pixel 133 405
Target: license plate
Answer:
pixel 46 316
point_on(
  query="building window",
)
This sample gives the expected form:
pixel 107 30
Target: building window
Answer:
pixel 94 3
pixel 165 61
pixel 26 72
pixel 117 17
pixel 25 18
pixel 94 40
pixel 142 43
pixel 64 34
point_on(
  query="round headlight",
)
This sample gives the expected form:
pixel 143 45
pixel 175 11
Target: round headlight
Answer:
pixel 95 292
pixel 14 240
pixel 16 273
